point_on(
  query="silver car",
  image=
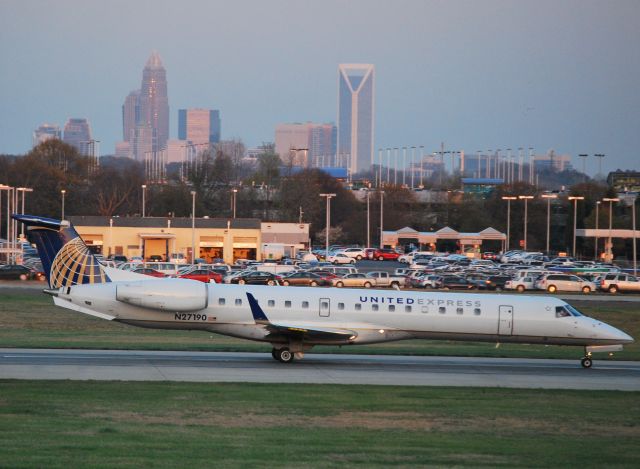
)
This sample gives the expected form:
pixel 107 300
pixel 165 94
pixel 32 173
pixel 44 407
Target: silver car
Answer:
pixel 564 282
pixel 354 280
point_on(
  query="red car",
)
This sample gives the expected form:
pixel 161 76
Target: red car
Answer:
pixel 150 272
pixel 386 255
pixel 203 275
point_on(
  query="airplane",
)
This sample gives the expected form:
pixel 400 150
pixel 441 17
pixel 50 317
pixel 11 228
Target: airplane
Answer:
pixel 294 320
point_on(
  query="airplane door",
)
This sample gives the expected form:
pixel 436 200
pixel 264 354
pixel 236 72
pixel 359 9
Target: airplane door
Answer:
pixel 325 307
pixel 505 323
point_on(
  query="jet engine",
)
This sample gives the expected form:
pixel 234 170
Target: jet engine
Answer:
pixel 181 295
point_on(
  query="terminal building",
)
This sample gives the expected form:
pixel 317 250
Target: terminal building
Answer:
pixel 446 240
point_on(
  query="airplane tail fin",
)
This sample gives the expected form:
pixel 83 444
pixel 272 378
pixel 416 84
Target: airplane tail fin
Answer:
pixel 65 258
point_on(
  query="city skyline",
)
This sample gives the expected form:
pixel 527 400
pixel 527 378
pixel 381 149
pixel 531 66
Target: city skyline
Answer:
pixel 473 75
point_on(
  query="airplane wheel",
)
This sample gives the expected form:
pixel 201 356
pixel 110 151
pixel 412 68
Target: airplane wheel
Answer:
pixel 586 362
pixel 284 355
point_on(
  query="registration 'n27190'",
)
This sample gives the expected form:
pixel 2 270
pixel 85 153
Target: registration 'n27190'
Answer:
pixel 190 317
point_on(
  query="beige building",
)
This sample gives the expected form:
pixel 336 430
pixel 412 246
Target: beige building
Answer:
pixel 229 239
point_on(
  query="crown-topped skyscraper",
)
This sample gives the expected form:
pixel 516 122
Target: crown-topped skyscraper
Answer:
pixel 145 112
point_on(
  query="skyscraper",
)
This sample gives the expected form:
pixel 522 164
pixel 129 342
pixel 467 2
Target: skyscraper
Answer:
pixel 46 132
pixel 77 133
pixel 199 126
pixel 154 102
pixel 355 116
pixel 145 113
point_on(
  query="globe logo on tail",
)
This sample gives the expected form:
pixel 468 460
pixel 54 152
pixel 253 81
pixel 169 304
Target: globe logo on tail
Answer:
pixel 75 264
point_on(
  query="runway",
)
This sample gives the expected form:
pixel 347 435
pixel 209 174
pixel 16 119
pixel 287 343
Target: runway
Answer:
pixel 103 365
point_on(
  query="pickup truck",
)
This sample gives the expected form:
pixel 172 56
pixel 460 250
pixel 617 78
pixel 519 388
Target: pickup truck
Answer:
pixel 384 279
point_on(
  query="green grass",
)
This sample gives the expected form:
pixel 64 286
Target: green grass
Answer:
pixel 125 424
pixel 28 318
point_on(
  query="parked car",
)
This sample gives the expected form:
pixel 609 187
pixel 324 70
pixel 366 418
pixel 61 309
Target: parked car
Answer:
pixel 340 258
pixel 370 253
pixel 563 282
pixel 385 279
pixel 310 279
pixel 492 256
pixel 203 275
pixel 177 258
pixel 256 277
pixel 454 283
pixel 155 258
pixel 148 271
pixel 386 255
pixel 614 283
pixel 425 281
pixel 494 282
pixel 355 253
pixel 521 284
pixel 18 272
pixel 354 280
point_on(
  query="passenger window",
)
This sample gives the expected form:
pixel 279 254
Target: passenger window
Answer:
pixel 305 304
pixel 271 303
pixel 459 311
pixel 392 308
pixel 442 310
pixel 340 305
pixel 221 301
pixel 287 304
pixel 477 311
pixel 374 307
pixel 425 309
pixel 407 309
pixel 358 306
pixel 238 302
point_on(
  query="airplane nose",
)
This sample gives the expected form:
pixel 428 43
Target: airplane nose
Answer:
pixel 617 335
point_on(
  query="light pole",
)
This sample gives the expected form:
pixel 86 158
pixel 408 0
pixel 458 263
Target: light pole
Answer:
pixel 7 188
pixel 381 217
pixel 526 199
pixel 234 193
pixel 193 227
pixel 62 192
pixel 421 167
pixel 23 190
pixel 599 156
pixel 412 166
pixel 595 244
pixel 584 157
pixel 508 199
pixel 633 222
pixel 144 205
pixel 549 197
pixel 611 201
pixel 575 219
pixel 328 197
pixel 368 221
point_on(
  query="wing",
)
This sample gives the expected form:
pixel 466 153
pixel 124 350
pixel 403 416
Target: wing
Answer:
pixel 299 331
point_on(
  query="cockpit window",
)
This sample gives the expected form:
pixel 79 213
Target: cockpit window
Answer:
pixel 567 311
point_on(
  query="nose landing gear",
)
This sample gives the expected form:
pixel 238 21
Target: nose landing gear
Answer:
pixel 586 362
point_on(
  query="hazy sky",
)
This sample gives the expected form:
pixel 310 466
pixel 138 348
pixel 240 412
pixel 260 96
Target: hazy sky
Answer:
pixel 474 74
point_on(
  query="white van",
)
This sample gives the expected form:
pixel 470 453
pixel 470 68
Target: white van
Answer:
pixel 273 268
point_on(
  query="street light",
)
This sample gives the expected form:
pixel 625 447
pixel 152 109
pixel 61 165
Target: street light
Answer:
pixel 328 196
pixel 548 197
pixel 234 193
pixel 595 244
pixel 193 227
pixel 62 192
pixel 508 199
pixel 368 221
pixel 381 217
pixel 23 190
pixel 611 201
pixel 144 205
pixel 575 217
pixel 7 188
pixel 526 199
pixel 633 219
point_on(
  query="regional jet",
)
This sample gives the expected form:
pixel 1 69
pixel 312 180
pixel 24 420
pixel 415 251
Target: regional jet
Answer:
pixel 293 320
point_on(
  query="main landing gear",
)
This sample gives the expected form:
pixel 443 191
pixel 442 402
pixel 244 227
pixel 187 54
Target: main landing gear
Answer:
pixel 586 362
pixel 283 355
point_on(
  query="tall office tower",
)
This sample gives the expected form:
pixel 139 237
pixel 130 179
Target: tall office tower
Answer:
pixel 154 103
pixel 130 115
pixel 46 132
pixel 77 133
pixel 199 126
pixel 308 144
pixel 355 116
